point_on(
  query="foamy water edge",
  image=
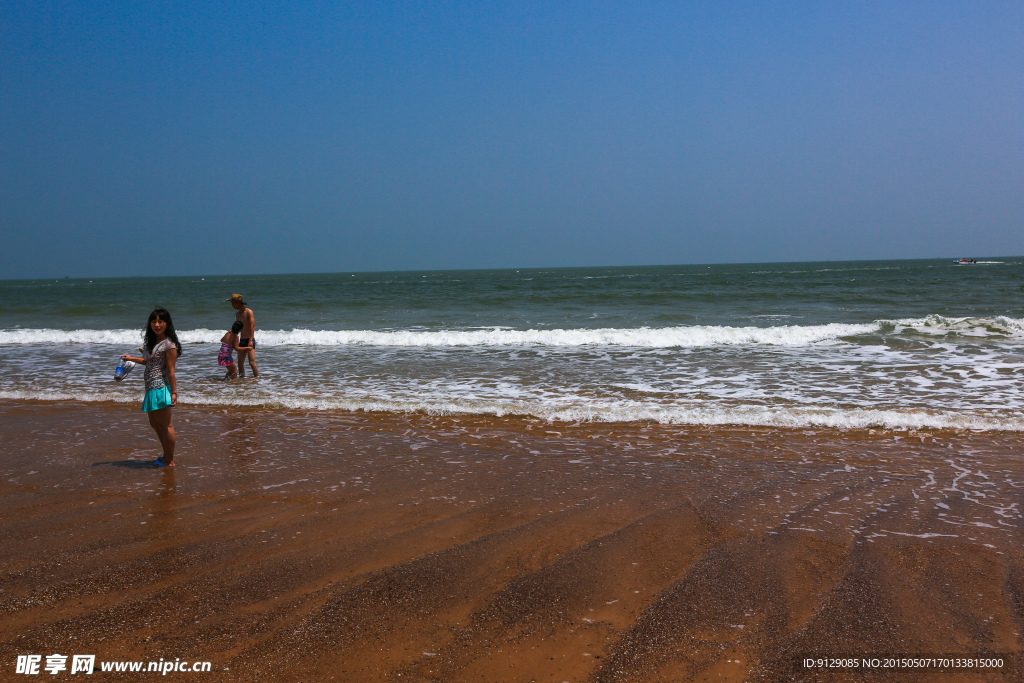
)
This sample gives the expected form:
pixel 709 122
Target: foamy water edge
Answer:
pixel 751 415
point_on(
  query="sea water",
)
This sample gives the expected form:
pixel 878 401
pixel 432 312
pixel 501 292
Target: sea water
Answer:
pixel 895 345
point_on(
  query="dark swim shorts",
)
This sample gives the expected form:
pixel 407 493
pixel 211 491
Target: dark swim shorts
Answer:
pixel 243 341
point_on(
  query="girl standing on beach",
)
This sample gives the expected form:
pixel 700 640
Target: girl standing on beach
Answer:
pixel 159 355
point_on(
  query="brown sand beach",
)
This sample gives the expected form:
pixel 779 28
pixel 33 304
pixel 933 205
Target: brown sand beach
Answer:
pixel 363 547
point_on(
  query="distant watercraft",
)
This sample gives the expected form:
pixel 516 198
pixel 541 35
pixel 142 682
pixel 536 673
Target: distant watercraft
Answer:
pixel 964 261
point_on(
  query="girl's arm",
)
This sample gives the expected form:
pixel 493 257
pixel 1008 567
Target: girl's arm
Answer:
pixel 171 355
pixel 133 359
pixel 234 342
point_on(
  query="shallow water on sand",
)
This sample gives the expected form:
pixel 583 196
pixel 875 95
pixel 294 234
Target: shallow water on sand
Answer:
pixel 465 547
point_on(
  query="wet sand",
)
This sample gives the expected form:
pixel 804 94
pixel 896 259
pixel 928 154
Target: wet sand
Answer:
pixel 359 547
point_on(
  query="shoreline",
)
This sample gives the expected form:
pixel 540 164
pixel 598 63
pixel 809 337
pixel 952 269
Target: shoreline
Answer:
pixel 849 421
pixel 364 546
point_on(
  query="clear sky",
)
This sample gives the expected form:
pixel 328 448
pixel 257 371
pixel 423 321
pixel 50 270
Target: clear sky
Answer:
pixel 251 137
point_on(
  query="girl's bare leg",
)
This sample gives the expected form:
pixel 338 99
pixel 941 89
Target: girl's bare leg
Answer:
pixel 160 420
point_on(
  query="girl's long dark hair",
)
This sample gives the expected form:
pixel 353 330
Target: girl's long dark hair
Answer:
pixel 160 312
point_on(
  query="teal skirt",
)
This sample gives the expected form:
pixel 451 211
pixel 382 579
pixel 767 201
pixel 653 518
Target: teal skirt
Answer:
pixel 157 399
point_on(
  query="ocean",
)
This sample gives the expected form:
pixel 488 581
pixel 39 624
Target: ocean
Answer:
pixel 892 345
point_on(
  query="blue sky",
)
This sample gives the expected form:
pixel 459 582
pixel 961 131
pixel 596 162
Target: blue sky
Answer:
pixel 150 138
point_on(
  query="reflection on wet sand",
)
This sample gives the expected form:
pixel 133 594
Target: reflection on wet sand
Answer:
pixel 290 546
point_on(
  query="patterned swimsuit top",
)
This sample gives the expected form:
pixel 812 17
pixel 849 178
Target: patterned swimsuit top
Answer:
pixel 156 365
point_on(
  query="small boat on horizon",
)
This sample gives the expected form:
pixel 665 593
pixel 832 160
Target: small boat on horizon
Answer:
pixel 965 261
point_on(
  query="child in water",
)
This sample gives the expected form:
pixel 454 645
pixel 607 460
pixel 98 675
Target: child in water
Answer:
pixel 159 355
pixel 229 343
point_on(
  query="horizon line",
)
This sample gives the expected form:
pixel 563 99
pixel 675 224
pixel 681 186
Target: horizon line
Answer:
pixel 504 269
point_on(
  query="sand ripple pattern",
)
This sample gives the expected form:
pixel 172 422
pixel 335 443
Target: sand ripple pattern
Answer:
pixel 293 546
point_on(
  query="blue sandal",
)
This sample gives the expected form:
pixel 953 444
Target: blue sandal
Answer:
pixel 159 463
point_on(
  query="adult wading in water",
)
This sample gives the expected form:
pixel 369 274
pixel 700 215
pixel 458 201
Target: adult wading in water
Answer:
pixel 247 337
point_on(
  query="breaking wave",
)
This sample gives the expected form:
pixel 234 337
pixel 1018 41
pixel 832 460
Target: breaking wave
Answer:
pixel 642 337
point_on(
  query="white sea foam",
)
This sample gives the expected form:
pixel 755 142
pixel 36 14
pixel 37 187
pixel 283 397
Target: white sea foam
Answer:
pixel 64 396
pixel 1000 326
pixel 644 337
pixel 556 411
pixel 958 373
pixel 666 337
pixel 29 336
pixel 641 337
